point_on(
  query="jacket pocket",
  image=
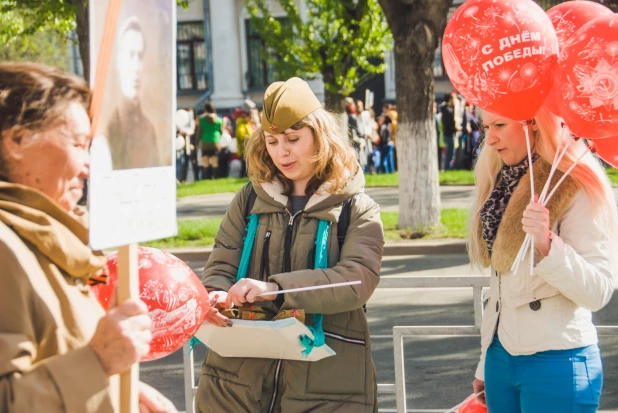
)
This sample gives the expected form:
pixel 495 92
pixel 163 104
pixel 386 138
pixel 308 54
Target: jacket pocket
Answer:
pixel 343 374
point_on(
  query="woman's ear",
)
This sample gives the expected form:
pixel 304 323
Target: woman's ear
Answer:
pixel 13 143
pixel 535 126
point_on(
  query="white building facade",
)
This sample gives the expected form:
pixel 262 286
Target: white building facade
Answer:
pixel 219 58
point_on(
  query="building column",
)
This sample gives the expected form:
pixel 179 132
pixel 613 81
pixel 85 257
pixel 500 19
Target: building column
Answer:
pixel 227 76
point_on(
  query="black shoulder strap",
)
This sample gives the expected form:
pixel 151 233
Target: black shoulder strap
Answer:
pixel 344 221
pixel 250 203
pixel 343 224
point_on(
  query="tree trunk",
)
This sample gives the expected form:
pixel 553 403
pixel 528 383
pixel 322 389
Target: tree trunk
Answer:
pixel 419 187
pixel 82 29
pixel 416 27
pixel 334 101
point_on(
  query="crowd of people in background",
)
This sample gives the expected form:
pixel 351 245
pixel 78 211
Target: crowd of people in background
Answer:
pixel 458 133
pixel 212 146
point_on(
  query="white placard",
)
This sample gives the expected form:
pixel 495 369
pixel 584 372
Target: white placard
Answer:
pixel 132 187
pixel 261 339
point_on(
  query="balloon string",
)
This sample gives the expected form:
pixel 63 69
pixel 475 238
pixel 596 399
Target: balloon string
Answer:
pixel 521 255
pixel 531 169
pixel 546 201
pixel 568 171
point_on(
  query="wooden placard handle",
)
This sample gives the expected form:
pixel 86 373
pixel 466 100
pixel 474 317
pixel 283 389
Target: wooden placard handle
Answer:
pixel 128 287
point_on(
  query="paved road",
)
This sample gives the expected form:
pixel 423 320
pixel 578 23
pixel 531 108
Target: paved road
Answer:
pixel 439 370
pixel 214 206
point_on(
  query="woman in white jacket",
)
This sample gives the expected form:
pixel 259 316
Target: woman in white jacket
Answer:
pixel 539 345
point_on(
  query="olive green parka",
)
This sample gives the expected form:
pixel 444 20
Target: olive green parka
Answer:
pixel 283 252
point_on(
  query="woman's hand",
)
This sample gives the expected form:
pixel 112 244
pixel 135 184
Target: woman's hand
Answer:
pixel 213 316
pixel 536 223
pixel 151 401
pixel 479 386
pixel 247 290
pixel 122 336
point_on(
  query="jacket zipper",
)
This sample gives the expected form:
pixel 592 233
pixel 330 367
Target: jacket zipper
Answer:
pixel 276 389
pixel 287 264
pixel 287 256
pixel 345 339
pixel 265 264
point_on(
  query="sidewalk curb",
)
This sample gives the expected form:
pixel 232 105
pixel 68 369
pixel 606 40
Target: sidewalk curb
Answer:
pixel 437 247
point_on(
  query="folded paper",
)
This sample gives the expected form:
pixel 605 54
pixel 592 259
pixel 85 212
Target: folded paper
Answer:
pixel 272 339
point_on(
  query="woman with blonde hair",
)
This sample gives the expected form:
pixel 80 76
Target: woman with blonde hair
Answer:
pixel 305 182
pixel 539 348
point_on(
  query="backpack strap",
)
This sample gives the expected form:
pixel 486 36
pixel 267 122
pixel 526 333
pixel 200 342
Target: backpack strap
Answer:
pixel 342 226
pixel 250 203
pixel 344 221
pixel 252 222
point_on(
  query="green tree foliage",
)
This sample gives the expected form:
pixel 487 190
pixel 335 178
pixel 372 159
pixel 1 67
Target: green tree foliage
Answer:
pixel 28 28
pixel 343 40
pixel 32 31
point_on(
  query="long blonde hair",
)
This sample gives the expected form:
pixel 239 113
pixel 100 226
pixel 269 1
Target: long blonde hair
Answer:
pixel 334 160
pixel 588 173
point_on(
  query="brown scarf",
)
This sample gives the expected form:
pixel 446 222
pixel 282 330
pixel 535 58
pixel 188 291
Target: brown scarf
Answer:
pixel 510 234
pixel 42 224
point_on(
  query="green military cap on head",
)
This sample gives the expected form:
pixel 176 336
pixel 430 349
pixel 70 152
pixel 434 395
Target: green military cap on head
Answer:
pixel 287 103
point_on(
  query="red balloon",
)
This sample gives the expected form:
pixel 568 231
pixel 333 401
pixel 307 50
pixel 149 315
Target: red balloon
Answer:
pixel 567 18
pixel 471 405
pixel 588 75
pixel 176 299
pixel 607 149
pixel 501 55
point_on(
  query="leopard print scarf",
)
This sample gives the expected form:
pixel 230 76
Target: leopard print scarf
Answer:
pixel 492 211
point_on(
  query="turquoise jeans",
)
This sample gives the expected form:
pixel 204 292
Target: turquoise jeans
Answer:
pixel 556 381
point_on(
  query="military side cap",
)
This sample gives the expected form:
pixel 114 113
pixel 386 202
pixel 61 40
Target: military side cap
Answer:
pixel 287 103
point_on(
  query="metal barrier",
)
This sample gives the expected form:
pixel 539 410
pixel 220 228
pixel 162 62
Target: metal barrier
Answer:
pixel 477 283
pixel 399 332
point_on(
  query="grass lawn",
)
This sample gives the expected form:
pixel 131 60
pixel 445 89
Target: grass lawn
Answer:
pixel 234 184
pixel 206 187
pixel 191 233
pixel 446 178
pixel 454 224
pixel 202 232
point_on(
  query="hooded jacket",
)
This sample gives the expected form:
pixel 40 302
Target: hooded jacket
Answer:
pixel 283 253
pixel 49 313
pixel 550 310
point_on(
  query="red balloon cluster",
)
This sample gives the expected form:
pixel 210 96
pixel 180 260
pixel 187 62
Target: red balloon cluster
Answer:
pixel 567 18
pixel 176 299
pixel 509 57
pixel 587 79
pixel 501 55
pixel 606 149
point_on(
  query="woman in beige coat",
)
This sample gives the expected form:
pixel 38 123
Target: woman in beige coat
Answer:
pixel 539 348
pixel 58 349
pixel 302 173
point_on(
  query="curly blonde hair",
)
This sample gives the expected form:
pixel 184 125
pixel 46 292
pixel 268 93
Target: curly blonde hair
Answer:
pixel 334 160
